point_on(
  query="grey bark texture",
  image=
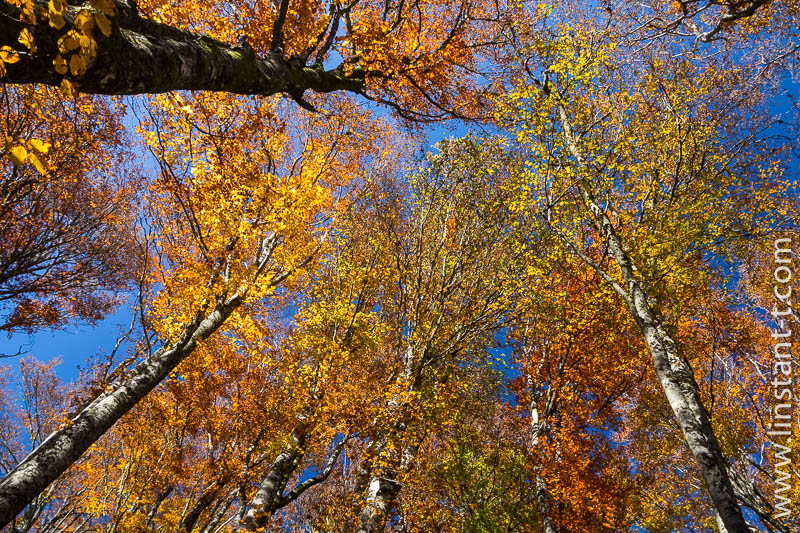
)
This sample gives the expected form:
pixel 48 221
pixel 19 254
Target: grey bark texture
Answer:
pixel 380 497
pixel 270 493
pixel 543 506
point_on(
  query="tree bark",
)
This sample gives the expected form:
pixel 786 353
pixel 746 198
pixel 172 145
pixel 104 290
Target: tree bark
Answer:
pixel 383 488
pixel 538 428
pixel 143 56
pixel 380 496
pixel 205 500
pixel 543 506
pixel 674 373
pixel 269 495
pixel 64 446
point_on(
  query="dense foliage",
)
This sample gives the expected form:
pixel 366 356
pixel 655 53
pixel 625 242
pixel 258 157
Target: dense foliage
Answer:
pixel 564 317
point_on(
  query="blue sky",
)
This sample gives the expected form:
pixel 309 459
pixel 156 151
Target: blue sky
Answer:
pixel 75 345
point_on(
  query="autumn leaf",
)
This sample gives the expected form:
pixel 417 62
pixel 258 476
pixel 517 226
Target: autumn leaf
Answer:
pixel 103 23
pixel 67 89
pixel 8 55
pixel 40 146
pixel 106 7
pixel 60 64
pixel 55 12
pixel 84 21
pixel 37 163
pixel 77 64
pixel 26 38
pixel 18 154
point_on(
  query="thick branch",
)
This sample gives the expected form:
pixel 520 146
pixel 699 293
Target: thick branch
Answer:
pixel 142 56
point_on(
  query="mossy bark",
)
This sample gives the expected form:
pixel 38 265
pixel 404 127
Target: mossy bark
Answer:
pixel 143 56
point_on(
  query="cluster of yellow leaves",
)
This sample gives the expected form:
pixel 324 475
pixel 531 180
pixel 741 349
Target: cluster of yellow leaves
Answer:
pixel 78 43
pixel 32 150
pixel 7 56
pixel 76 48
pixel 252 186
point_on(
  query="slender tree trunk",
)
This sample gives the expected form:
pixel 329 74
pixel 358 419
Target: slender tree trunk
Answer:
pixel 64 446
pixel 143 56
pixel 219 513
pixel 682 392
pixel 543 499
pixel 205 500
pixel 384 488
pixel 380 497
pixel 543 506
pixel 269 495
pixel 160 497
pixel 681 389
pixel 674 373
pixel 539 427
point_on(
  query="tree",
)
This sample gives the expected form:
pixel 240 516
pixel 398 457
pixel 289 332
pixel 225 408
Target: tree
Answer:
pixel 213 256
pixel 32 408
pixel 449 301
pixel 66 230
pixel 603 166
pixel 292 53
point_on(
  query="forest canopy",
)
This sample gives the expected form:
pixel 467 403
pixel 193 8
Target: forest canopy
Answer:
pixel 400 265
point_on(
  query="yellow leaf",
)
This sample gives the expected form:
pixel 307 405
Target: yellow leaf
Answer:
pixel 68 43
pixel 37 163
pixel 57 21
pixel 77 65
pixel 106 6
pixel 8 55
pixel 103 23
pixel 28 12
pixel 67 89
pixel 26 38
pixel 85 41
pixel 57 6
pixel 55 13
pixel 84 22
pixel 60 64
pixel 40 146
pixel 18 155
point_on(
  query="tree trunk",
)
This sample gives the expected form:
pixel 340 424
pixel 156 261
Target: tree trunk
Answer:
pixel 269 495
pixel 142 56
pixel 543 506
pixel 674 373
pixel 64 446
pixel 538 428
pixel 681 389
pixel 380 496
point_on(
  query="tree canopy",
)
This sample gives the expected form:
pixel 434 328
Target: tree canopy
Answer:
pixel 573 313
